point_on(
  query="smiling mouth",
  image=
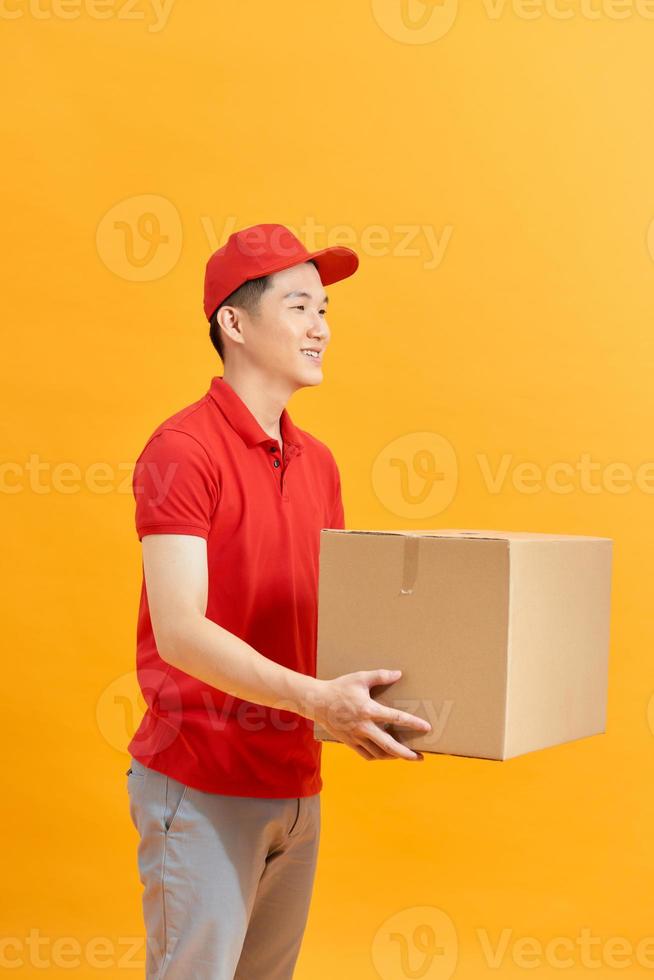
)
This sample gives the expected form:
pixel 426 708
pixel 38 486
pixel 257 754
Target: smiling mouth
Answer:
pixel 312 356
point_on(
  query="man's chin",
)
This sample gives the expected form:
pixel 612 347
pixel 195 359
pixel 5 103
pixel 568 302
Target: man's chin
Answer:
pixel 312 376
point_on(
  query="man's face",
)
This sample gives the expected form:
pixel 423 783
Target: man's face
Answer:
pixel 291 318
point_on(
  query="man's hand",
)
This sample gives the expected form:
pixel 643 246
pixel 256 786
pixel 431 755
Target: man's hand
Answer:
pixel 343 707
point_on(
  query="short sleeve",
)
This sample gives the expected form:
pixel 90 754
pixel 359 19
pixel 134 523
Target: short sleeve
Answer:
pixel 175 486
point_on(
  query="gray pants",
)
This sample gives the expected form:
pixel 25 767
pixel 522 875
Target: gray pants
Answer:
pixel 227 880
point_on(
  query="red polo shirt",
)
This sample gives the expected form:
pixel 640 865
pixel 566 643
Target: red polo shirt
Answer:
pixel 211 470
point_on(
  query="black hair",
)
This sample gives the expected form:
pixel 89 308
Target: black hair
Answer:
pixel 247 297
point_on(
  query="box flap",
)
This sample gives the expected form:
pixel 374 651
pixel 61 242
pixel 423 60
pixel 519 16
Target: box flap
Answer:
pixel 488 535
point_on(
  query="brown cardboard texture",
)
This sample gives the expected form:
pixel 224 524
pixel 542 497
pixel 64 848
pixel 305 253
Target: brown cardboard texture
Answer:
pixel 502 636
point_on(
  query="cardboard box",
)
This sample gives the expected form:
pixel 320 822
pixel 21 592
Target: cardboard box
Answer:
pixel 502 636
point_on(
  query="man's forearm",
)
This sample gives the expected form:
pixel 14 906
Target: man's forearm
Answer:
pixel 207 651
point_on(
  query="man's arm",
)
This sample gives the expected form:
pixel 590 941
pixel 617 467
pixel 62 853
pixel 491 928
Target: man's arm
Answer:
pixel 176 578
pixel 175 567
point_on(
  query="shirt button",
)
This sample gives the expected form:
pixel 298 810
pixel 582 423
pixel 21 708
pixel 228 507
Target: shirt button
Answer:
pixel 273 449
pixel 276 462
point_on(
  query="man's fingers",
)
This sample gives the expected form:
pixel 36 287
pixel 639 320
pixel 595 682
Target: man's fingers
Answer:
pixel 362 752
pixel 381 676
pixel 375 750
pixel 393 716
pixel 378 752
pixel 389 744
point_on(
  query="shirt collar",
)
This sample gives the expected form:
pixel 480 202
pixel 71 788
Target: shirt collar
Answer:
pixel 243 421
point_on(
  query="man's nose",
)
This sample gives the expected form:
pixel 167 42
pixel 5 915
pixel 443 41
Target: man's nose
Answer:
pixel 320 327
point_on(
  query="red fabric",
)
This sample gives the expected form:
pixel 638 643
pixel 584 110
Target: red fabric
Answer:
pixel 209 471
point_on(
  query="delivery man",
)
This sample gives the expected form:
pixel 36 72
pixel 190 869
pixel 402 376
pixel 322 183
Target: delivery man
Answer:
pixel 224 782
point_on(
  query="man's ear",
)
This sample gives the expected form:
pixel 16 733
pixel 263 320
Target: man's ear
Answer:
pixel 229 320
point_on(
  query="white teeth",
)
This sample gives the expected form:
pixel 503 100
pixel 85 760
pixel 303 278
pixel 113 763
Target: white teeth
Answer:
pixel 311 353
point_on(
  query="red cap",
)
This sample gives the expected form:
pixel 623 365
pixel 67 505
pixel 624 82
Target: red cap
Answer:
pixel 262 250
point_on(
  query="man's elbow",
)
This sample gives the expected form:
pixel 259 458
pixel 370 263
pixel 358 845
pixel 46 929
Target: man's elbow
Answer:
pixel 173 637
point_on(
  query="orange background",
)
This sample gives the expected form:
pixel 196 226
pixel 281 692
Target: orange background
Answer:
pixel 520 139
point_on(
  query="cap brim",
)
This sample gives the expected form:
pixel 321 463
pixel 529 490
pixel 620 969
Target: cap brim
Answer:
pixel 335 263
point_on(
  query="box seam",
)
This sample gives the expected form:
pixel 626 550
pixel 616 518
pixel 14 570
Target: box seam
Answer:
pixel 507 685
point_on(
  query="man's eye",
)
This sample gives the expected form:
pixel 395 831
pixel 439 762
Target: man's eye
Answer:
pixel 301 307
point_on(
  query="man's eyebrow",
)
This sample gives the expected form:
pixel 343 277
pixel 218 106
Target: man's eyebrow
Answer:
pixel 299 293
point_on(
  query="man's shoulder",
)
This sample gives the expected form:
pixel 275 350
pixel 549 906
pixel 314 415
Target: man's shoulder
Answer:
pixel 191 427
